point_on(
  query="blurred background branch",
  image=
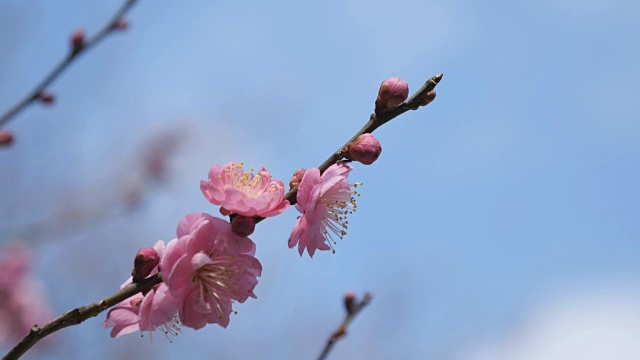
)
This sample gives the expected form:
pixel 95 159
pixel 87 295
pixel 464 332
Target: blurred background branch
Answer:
pixel 79 45
pixel 353 308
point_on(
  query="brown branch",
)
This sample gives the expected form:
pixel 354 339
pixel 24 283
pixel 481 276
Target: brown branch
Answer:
pixel 80 314
pixel 375 121
pixel 35 94
pixel 353 309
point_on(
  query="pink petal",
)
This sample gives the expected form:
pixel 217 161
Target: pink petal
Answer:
pixel 123 329
pixel 185 226
pixel 203 236
pixel 338 169
pixel 157 308
pixel 159 247
pixel 211 193
pixel 310 179
pixel 199 260
pixel 214 175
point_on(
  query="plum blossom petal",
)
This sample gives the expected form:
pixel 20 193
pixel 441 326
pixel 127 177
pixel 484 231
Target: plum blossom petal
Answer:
pixel 209 268
pixel 324 201
pixel 123 318
pixel 244 193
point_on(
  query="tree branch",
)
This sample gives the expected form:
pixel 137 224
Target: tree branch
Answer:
pixel 341 331
pixel 80 314
pixel 375 121
pixel 62 66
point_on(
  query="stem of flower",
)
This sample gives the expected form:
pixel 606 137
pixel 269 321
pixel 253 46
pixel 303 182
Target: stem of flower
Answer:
pixel 413 103
pixel 80 314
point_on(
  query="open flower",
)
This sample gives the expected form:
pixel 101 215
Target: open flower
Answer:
pixel 207 268
pixel 244 193
pixel 324 202
pixel 156 310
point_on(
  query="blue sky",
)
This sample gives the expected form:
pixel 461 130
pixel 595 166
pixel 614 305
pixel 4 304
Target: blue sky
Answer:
pixel 505 210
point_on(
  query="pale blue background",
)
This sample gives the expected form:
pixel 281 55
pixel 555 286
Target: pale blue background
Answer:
pixel 517 188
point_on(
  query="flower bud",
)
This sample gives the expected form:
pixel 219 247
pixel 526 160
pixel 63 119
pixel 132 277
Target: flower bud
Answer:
pixel 350 302
pixel 146 259
pixel 392 93
pixel 427 98
pixel 6 138
pixel 120 24
pixel 243 225
pixel 46 98
pixel 77 40
pixel 364 149
pixel 297 177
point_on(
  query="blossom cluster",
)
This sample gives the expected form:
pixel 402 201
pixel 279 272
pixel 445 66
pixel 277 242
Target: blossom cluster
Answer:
pixel 211 263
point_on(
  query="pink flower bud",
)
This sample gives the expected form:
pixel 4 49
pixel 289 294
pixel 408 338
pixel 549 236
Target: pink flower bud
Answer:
pixel 350 302
pixel 297 177
pixel 6 138
pixel 146 259
pixel 46 98
pixel 77 41
pixel 365 149
pixel 120 24
pixel 392 93
pixel 243 225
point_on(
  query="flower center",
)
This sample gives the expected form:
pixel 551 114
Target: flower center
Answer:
pixel 221 281
pixel 339 203
pixel 247 182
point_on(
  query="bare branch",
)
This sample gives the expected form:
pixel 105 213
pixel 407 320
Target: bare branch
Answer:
pixel 37 93
pixel 375 121
pixel 80 314
pixel 353 308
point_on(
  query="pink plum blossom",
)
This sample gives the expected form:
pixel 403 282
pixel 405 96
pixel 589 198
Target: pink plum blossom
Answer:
pixel 155 310
pixel 244 193
pixel 207 267
pixel 23 301
pixel 324 201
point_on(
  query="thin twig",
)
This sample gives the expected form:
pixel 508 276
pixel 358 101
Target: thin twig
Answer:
pixel 62 66
pixel 341 331
pixel 80 314
pixel 375 121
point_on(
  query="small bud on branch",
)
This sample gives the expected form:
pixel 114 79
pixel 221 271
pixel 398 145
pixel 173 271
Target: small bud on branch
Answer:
pixel 365 149
pixel 146 259
pixel 350 302
pixel 243 225
pixel 46 98
pixel 393 92
pixel 297 177
pixel 6 138
pixel 77 41
pixel 120 24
